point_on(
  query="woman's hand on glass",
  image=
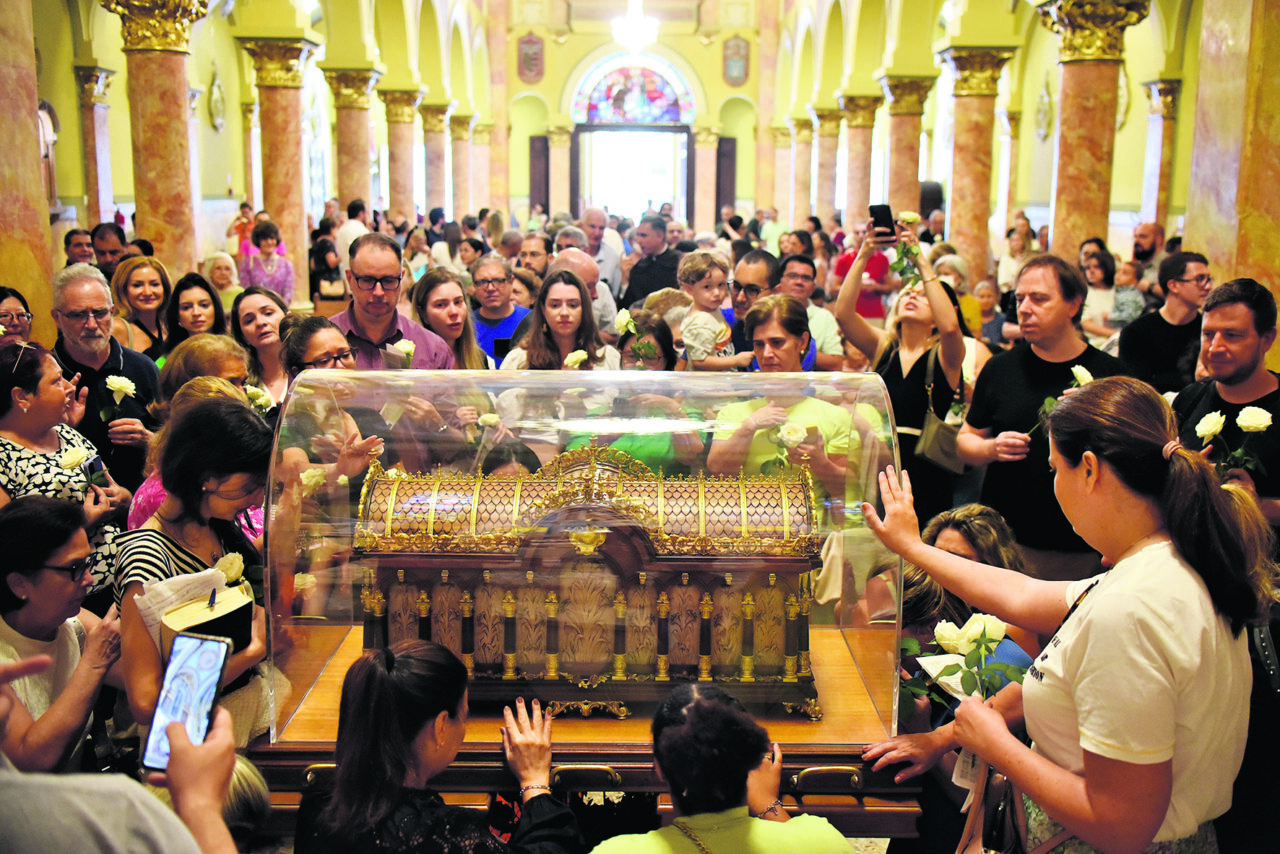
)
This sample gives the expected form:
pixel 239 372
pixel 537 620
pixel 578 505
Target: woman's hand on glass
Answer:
pixel 526 741
pixel 919 751
pixel 356 452
pixel 899 529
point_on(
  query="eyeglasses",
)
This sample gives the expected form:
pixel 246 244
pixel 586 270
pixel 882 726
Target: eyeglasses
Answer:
pixel 75 569
pixel 490 283
pixel 368 283
pixel 798 277
pixel 1202 280
pixel 328 361
pixel 15 317
pixel 752 291
pixel 98 315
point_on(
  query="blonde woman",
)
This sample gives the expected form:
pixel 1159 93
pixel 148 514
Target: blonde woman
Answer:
pixel 141 287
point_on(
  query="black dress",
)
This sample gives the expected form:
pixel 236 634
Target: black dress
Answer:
pixel 932 486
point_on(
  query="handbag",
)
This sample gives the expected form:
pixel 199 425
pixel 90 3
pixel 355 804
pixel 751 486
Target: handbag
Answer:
pixel 997 822
pixel 937 442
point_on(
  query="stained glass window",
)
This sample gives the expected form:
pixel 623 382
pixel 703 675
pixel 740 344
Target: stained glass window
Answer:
pixel 633 95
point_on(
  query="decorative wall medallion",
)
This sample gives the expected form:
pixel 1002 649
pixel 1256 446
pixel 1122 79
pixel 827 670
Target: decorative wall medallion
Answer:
pixel 1044 111
pixel 737 60
pixel 216 102
pixel 530 58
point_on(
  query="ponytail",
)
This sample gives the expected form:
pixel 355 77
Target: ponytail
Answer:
pixel 388 696
pixel 1220 532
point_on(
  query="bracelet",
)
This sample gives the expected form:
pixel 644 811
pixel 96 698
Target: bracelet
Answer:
pixel 928 280
pixel 524 789
pixel 773 807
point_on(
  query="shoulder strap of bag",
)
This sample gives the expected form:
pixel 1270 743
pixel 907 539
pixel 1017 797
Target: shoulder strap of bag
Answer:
pixel 928 377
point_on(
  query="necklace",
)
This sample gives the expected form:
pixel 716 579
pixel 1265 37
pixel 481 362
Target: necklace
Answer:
pixel 196 538
pixel 268 262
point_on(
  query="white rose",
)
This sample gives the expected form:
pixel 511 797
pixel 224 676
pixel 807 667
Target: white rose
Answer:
pixel 303 583
pixel 312 479
pixel 73 458
pixel 343 480
pixel 232 566
pixel 258 396
pixel 489 419
pixel 1081 374
pixel 1253 419
pixel 908 217
pixel 574 359
pixel 978 623
pixel 121 387
pixel 405 346
pixel 950 638
pixel 1211 425
pixel 791 435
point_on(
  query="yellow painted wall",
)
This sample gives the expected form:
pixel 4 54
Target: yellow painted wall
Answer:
pixel 220 152
pixel 57 85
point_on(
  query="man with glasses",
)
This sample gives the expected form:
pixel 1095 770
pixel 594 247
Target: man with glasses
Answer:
pixel 755 276
pixel 371 323
pixel 498 316
pixel 800 279
pixel 1162 347
pixel 89 356
pixel 535 253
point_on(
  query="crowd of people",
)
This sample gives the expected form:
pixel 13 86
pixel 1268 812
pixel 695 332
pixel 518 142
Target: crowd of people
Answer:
pixel 137 448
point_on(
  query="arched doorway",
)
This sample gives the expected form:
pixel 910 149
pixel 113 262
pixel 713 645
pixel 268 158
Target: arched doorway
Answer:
pixel 632 145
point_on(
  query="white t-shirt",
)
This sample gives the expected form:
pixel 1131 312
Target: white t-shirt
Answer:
pixel 1145 671
pixel 38 691
pixel 824 331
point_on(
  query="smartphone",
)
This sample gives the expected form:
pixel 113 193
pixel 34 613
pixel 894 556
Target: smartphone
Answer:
pixel 882 217
pixel 95 467
pixel 191 682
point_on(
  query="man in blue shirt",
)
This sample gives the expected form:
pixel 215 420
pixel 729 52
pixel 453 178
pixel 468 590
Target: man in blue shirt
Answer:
pixel 498 316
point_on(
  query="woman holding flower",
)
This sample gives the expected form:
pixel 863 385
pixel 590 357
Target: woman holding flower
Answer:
pixel 562 334
pixel 41 455
pixel 1138 707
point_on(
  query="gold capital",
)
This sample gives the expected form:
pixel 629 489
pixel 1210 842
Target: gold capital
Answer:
pixel 705 137
pixel 977 69
pixel 828 122
pixel 460 126
pixel 860 110
pixel 433 117
pixel 279 62
pixel 351 86
pixel 402 104
pixel 481 134
pixel 781 137
pixel 906 95
pixel 156 24
pixel 249 113
pixel 1092 29
pixel 94 83
pixel 1163 95
pixel 802 129
pixel 559 135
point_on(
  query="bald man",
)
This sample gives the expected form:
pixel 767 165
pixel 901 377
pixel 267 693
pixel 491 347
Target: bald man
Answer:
pixel 595 222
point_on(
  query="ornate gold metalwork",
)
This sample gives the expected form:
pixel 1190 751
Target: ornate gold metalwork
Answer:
pixel 401 104
pixel 424 605
pixel 482 133
pixel 664 668
pixel 706 137
pixel 94 83
pixel 279 62
pixel 860 110
pixel 1163 97
pixel 553 665
pixel 619 666
pixel 469 662
pixel 351 86
pixel 433 117
pixel 977 69
pixel 802 129
pixel 508 665
pixel 620 605
pixel 828 122
pixel 906 95
pixel 508 605
pixel 664 605
pixel 587 540
pixel 1092 30
pixel 460 126
pixel 809 708
pixel 617 708
pixel 748 668
pixel 156 24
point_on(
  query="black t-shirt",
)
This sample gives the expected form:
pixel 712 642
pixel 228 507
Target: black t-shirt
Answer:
pixel 649 275
pixel 1159 352
pixel 1199 399
pixel 1011 389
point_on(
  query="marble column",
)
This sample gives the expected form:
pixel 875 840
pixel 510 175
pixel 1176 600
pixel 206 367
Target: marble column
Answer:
pixel 705 142
pixel 905 96
pixel 401 107
pixel 100 200
pixel 460 137
pixel 481 169
pixel 977 79
pixel 496 183
pixel 1012 125
pixel 782 173
pixel 24 239
pixel 860 120
pixel 828 128
pixel 279 64
pixel 802 145
pixel 1162 122
pixel 434 124
pixel 767 191
pixel 248 124
pixel 558 140
pixel 351 88
pixel 1232 203
pixel 1090 52
pixel 155 50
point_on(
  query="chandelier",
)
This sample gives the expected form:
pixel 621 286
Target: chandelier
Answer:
pixel 635 31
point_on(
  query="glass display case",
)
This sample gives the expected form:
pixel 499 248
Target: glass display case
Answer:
pixel 591 539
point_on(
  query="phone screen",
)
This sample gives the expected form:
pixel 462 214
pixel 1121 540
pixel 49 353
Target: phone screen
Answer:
pixel 190 686
pixel 881 217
